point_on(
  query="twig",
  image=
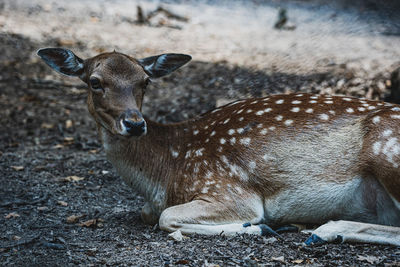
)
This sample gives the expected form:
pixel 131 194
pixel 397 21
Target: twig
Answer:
pixel 25 202
pixel 22 242
pixel 168 13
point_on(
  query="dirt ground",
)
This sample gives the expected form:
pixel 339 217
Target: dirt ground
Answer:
pixel 61 202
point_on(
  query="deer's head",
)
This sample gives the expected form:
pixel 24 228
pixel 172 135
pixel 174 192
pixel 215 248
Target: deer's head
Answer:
pixel 116 84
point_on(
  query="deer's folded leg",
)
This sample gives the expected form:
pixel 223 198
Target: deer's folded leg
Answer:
pixel 208 218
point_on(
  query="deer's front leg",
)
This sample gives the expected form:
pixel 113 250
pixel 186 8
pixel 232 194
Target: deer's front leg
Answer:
pixel 149 215
pixel 214 218
pixel 355 232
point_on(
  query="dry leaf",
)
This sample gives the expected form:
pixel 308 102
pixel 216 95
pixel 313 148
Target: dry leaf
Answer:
pixel 12 215
pixel 73 218
pixel 93 151
pixel 297 261
pixel 58 146
pixel 16 238
pixel 18 168
pixel 62 203
pixel 280 259
pixel 72 178
pixel 68 124
pixel 47 125
pixel 90 223
pixel 42 208
pixel 68 140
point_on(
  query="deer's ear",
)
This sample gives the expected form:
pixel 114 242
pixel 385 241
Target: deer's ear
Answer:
pixel 62 60
pixel 161 65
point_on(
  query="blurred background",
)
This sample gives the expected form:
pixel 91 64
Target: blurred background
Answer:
pixel 52 166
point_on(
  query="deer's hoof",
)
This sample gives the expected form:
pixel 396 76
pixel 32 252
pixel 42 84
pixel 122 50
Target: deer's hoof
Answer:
pixel 267 231
pixel 314 240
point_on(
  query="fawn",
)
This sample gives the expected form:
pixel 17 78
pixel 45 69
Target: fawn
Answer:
pixel 252 164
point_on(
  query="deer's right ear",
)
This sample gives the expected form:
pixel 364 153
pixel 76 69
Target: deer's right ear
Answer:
pixel 62 60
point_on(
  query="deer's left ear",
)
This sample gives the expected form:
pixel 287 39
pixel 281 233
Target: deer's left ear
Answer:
pixel 161 65
pixel 62 60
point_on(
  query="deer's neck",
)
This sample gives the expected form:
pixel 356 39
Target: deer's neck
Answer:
pixel 146 163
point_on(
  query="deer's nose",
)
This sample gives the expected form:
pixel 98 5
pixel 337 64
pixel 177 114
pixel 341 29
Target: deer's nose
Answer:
pixel 134 128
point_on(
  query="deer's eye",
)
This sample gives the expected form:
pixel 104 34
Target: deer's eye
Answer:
pixel 95 83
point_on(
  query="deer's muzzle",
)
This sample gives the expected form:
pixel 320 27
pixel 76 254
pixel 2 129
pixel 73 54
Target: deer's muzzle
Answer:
pixel 132 123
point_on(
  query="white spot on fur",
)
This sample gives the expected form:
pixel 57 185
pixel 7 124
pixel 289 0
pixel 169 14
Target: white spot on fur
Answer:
pixel 347 99
pixel 226 121
pixel 199 152
pixel 396 109
pixel 279 117
pixel 395 116
pixel 371 107
pixel 387 132
pixel 209 174
pixel 225 160
pixel 332 112
pixel 241 118
pixel 212 133
pixel 295 102
pixel 349 110
pixel 391 149
pixel 206 127
pixel 328 102
pixel 272 128
pixel 280 101
pixel 376 147
pixel 309 110
pixel 240 130
pixel 245 141
pixel 222 141
pixel 264 131
pixel 312 101
pixel 288 122
pixel 295 109
pixel 231 131
pixel 324 117
pixel 204 190
pixel 314 97
pixel 233 140
pixel 361 109
pixel 249 111
pixel 254 102
pixel 267 109
pixel 252 166
pixel 240 111
pixel 376 119
pixel 174 153
pixel 259 113
pixel 195 132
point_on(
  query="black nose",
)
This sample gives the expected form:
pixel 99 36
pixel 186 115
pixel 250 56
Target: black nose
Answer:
pixel 135 128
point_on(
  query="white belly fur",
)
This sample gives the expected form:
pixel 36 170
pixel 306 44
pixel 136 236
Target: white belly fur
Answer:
pixel 314 203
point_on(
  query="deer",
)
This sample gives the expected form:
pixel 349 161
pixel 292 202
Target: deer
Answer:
pixel 252 166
